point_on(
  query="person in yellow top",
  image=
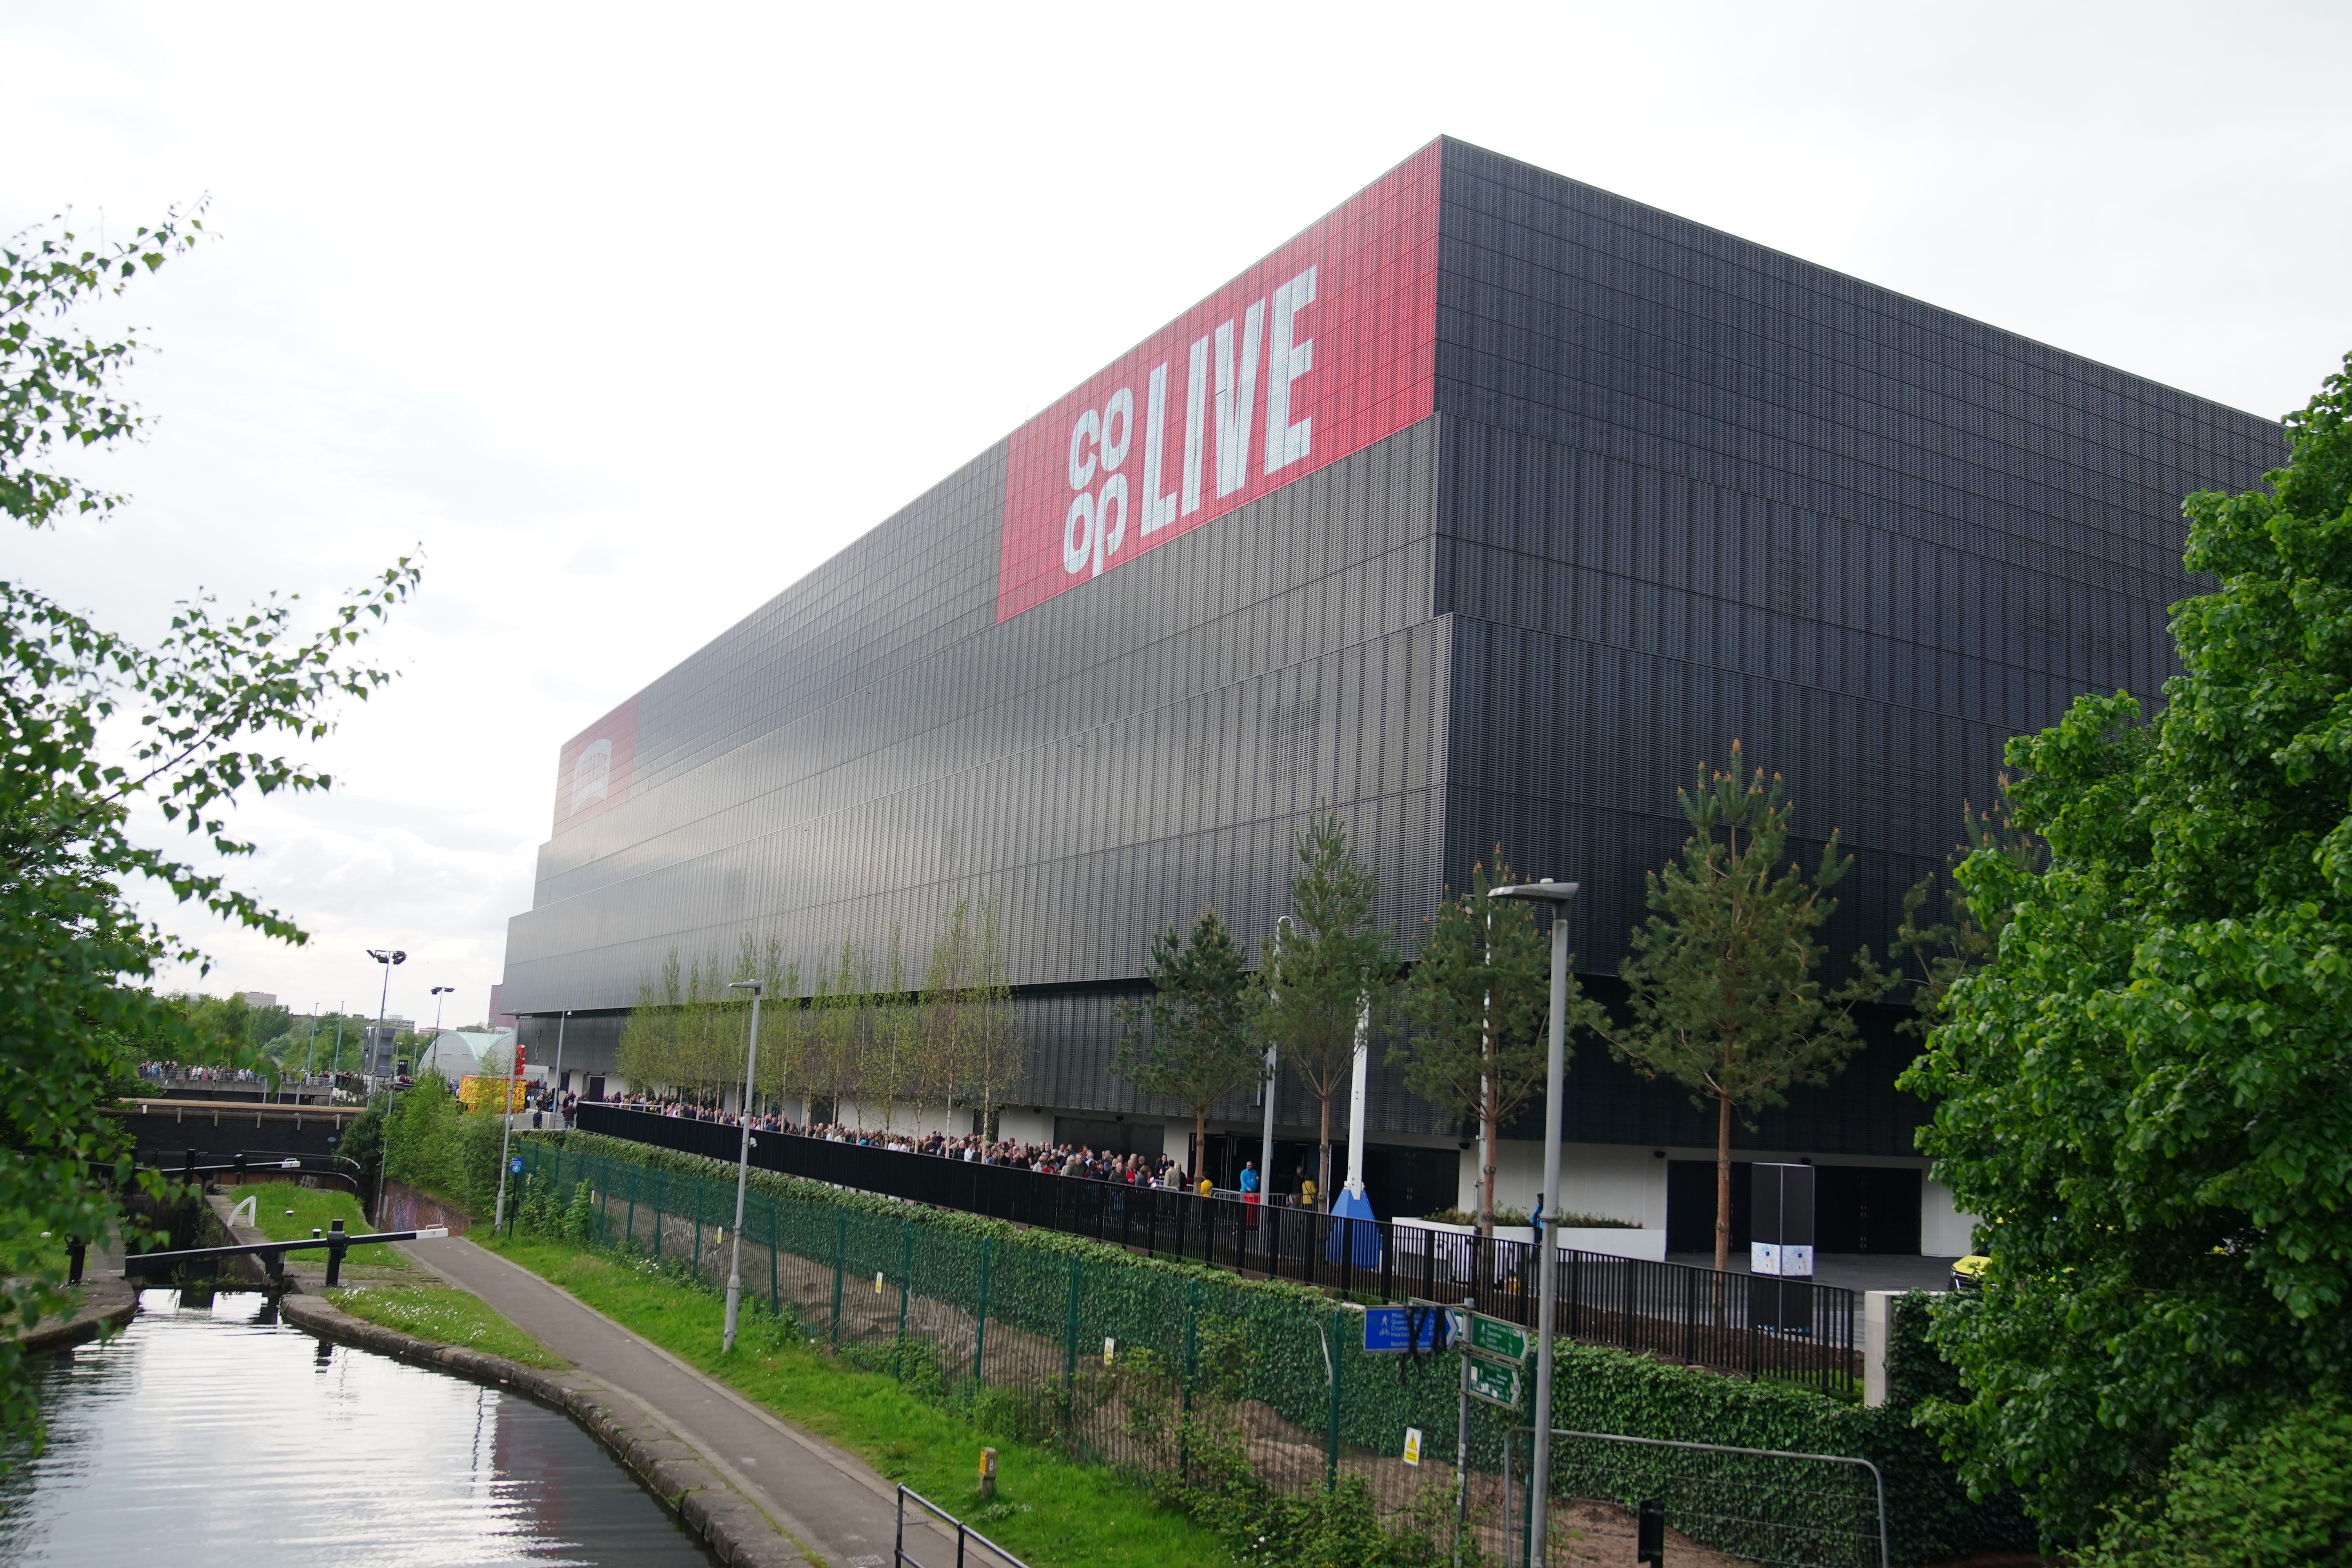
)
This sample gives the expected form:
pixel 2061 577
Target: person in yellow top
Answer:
pixel 1206 1188
pixel 1305 1190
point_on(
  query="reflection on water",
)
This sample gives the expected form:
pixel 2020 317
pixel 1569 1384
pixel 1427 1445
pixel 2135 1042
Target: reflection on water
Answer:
pixel 211 1434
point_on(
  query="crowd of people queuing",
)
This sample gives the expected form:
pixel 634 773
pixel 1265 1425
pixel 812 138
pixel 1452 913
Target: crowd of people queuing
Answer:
pixel 159 1072
pixel 1161 1170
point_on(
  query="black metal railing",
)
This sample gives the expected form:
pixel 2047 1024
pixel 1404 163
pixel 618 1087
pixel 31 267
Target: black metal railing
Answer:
pixel 972 1548
pixel 1790 1329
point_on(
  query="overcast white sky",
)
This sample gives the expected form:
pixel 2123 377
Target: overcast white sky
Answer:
pixel 630 316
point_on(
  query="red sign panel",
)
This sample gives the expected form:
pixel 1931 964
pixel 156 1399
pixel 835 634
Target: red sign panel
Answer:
pixel 592 774
pixel 1319 349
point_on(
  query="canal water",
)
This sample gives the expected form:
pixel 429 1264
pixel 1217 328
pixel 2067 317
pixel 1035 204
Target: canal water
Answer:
pixel 208 1433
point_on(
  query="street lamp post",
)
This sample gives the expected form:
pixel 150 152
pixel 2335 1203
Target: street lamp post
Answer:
pixel 1556 894
pixel 557 1079
pixel 506 1129
pixel 387 956
pixel 438 991
pixel 1272 1082
pixel 742 1163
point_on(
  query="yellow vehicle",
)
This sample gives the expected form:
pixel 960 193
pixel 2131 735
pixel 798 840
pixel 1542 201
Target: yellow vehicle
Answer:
pixel 1968 1273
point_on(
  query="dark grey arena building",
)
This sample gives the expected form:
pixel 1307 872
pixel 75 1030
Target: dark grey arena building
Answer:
pixel 1483 511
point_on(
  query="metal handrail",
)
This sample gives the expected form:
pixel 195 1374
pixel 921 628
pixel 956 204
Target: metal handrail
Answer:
pixel 272 1254
pixel 1885 1559
pixel 902 1558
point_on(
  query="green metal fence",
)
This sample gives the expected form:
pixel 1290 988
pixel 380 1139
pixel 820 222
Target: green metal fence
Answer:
pixel 1149 1368
pixel 1160 1370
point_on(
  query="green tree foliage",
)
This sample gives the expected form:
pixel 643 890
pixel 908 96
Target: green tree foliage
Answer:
pixel 2146 1093
pixel 844 1008
pixel 972 1051
pixel 1194 1040
pixel 421 1139
pixel 1480 999
pixel 1724 996
pixel 1940 954
pixel 892 1072
pixel 1327 978
pixel 998 1052
pixel 2278 1499
pixel 92 728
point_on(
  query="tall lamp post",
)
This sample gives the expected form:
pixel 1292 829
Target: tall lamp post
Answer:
pixel 1272 1082
pixel 506 1129
pixel 742 1163
pixel 387 956
pixel 1556 894
pixel 438 991
pixel 556 1078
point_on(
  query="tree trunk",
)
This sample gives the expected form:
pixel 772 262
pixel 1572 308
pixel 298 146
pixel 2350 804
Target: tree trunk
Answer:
pixel 1323 1154
pixel 1722 1184
pixel 1199 1147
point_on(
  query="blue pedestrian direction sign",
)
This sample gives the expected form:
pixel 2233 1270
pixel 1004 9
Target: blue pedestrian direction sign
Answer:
pixel 515 1164
pixel 1396 1331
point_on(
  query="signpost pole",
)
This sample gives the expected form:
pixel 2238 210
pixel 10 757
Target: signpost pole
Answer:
pixel 1462 1448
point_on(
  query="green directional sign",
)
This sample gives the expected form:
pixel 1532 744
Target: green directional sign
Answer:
pixel 1494 1384
pixel 1493 1337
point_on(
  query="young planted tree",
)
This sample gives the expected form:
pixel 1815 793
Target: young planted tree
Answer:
pixel 1325 981
pixel 784 1021
pixel 999 1051
pixel 893 1064
pixel 1724 996
pixel 648 1050
pixel 844 1021
pixel 1480 1000
pixel 1194 1040
pixel 948 1018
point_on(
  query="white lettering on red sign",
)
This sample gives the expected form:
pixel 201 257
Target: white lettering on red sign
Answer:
pixel 1322 349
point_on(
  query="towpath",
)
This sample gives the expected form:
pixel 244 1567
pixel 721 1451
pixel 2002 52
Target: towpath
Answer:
pixel 838 1509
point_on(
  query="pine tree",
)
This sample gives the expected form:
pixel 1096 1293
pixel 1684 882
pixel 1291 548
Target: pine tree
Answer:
pixel 1326 980
pixel 1723 992
pixel 1480 999
pixel 1194 1040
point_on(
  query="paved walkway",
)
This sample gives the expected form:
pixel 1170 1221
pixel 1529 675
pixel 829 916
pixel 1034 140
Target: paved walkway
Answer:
pixel 838 1509
pixel 107 1301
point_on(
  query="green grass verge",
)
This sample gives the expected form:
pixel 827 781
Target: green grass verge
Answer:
pixel 447 1316
pixel 1049 1511
pixel 312 1208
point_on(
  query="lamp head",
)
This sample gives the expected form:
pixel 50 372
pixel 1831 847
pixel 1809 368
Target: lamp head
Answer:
pixel 1545 891
pixel 753 986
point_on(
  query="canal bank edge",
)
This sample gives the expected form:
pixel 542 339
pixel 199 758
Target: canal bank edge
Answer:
pixel 735 1527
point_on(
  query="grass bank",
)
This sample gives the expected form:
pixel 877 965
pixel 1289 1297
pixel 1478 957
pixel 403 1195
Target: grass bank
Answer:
pixel 284 1211
pixel 447 1316
pixel 1050 1512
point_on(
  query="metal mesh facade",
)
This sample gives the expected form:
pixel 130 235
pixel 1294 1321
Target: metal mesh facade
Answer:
pixel 1678 488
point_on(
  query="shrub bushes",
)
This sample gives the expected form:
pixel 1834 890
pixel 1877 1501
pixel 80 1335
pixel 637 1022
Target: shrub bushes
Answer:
pixel 2281 1497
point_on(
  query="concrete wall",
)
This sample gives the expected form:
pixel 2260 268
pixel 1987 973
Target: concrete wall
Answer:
pixel 1943 1231
pixel 1610 1180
